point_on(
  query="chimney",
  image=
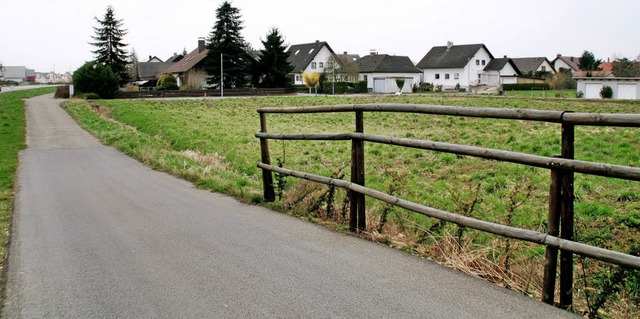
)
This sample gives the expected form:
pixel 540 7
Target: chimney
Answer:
pixel 345 53
pixel 201 46
pixel 559 55
pixel 572 59
pixel 449 45
pixel 505 56
pixel 150 58
pixel 373 52
pixel 317 41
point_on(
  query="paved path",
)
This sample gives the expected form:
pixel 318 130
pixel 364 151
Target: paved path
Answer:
pixel 98 235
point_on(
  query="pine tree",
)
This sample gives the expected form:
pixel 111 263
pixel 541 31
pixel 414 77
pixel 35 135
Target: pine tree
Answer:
pixel 110 48
pixel 588 61
pixel 226 39
pixel 273 65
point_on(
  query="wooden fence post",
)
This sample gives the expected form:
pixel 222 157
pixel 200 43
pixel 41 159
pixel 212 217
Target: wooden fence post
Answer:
pixel 267 176
pixel 357 218
pixel 566 219
pixel 553 221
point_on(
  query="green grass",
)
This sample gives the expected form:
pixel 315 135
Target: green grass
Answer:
pixel 12 141
pixel 544 93
pixel 212 143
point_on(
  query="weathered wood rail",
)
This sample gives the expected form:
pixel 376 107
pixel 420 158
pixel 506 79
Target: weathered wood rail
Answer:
pixel 559 236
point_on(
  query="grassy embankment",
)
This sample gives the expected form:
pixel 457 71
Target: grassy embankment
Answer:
pixel 212 143
pixel 12 140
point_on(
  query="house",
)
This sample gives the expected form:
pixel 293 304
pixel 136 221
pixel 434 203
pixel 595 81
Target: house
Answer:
pixel 309 57
pixel 623 88
pixel 383 72
pixel 150 72
pixel 30 75
pixel 41 78
pixel 190 69
pixel 566 62
pixel 346 67
pixel 53 77
pixel 533 65
pixel 175 58
pixel 154 59
pixel 500 71
pixel 16 74
pixel 452 65
pixel 66 78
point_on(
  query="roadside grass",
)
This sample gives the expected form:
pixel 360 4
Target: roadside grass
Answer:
pixel 212 143
pixel 12 141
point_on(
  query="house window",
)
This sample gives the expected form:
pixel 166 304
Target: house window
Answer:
pixel 484 62
pixel 437 76
pixel 446 76
pixel 456 76
pixel 321 65
pixel 544 68
pixel 477 62
pixel 365 77
pixel 313 65
pixel 298 78
pixel 479 76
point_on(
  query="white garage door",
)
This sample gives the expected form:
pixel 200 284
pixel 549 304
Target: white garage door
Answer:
pixel 593 90
pixel 627 91
pixel 378 85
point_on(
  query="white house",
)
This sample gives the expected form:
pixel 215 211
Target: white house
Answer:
pixel 16 74
pixel 310 58
pixel 534 64
pixel 500 71
pixel 451 65
pixel 623 88
pixel 566 62
pixel 382 72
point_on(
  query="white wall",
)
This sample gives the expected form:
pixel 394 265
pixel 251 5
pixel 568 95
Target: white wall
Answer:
pixel 561 64
pixel 321 57
pixel 591 87
pixel 547 66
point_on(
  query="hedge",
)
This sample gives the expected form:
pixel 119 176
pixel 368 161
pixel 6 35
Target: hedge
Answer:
pixel 525 86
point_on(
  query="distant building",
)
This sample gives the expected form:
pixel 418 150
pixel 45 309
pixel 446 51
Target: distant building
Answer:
pixel 383 72
pixel 623 88
pixel 452 65
pixel 17 74
pixel 566 62
pixel 310 58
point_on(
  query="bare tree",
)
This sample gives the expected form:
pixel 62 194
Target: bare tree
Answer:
pixel 344 67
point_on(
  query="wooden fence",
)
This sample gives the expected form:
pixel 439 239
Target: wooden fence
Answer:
pixel 200 93
pixel 559 236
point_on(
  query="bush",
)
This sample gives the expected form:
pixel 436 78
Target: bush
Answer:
pixel 606 92
pixel 579 94
pixel 96 78
pixel 62 92
pixel 361 87
pixel 525 86
pixel 337 87
pixel 167 82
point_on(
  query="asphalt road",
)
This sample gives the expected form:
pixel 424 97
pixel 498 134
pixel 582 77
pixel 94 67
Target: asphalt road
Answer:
pixel 98 235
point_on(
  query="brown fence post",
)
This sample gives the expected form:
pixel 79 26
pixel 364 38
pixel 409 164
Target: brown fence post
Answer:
pixel 267 176
pixel 566 219
pixel 357 218
pixel 551 255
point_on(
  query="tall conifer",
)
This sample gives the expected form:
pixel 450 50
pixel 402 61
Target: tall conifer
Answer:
pixel 225 39
pixel 110 48
pixel 273 64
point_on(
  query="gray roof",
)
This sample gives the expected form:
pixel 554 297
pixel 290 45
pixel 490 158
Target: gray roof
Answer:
pixel 571 61
pixel 15 72
pixel 455 57
pixel 384 63
pixel 499 64
pixel 152 70
pixel 526 65
pixel 300 55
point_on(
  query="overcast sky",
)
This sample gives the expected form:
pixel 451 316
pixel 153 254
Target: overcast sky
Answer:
pixel 54 34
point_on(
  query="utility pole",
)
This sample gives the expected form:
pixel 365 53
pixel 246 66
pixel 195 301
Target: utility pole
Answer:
pixel 221 76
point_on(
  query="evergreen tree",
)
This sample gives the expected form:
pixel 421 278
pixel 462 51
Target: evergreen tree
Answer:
pixel 588 62
pixel 110 48
pixel 226 39
pixel 273 64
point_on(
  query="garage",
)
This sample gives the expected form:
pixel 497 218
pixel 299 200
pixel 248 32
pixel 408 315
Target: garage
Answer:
pixel 592 90
pixel 379 85
pixel 627 91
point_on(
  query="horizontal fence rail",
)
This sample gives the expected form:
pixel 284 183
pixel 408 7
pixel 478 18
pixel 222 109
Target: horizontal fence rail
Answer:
pixel 498 229
pixel 589 119
pixel 591 168
pixel 559 237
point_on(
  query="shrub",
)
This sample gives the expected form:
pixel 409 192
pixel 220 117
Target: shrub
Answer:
pixel 525 86
pixel 62 92
pixel 606 92
pixel 96 78
pixel 167 82
pixel 361 87
pixel 579 94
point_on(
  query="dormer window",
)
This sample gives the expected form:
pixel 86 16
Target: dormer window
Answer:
pixel 297 51
pixel 310 51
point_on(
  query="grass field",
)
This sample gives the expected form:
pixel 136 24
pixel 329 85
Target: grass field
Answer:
pixel 212 143
pixel 544 93
pixel 12 140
